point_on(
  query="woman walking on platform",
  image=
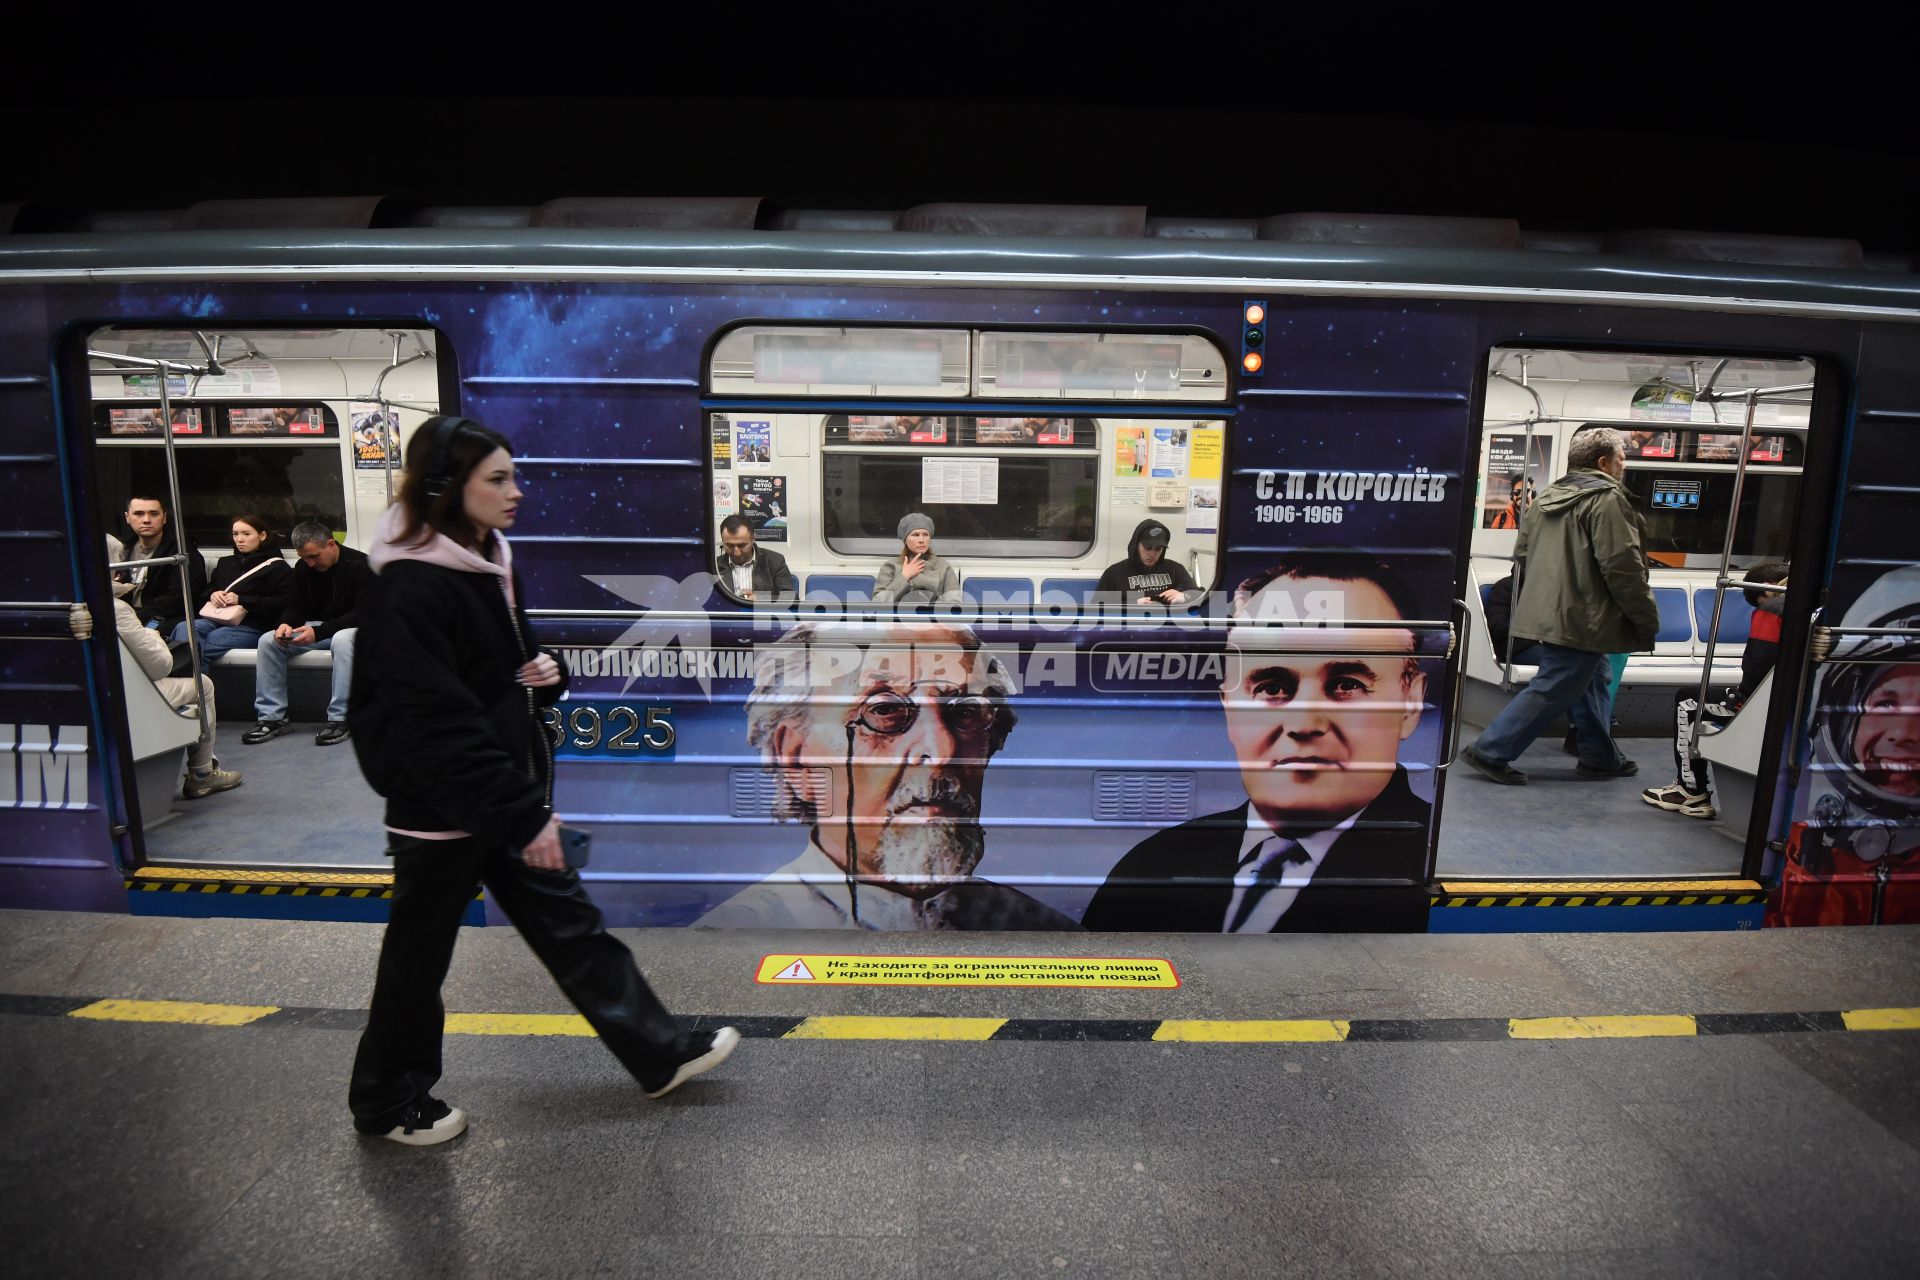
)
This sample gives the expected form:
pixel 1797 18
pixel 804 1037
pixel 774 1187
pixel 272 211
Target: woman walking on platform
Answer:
pixel 446 685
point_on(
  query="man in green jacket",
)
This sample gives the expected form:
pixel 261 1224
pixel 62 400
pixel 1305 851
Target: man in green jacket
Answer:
pixel 1583 595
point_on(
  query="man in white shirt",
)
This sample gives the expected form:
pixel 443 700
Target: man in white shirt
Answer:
pixel 881 736
pixel 1332 837
pixel 749 572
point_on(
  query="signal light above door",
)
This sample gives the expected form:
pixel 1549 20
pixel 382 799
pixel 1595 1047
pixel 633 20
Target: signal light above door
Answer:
pixel 1253 336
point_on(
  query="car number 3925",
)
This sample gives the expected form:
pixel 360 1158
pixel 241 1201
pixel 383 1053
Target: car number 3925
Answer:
pixel 589 728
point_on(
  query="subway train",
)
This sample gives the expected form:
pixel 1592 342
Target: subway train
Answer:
pixel 1223 510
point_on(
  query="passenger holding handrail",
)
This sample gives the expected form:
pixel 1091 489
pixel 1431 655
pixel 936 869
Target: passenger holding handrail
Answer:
pixel 249 591
pixel 444 711
pixel 916 575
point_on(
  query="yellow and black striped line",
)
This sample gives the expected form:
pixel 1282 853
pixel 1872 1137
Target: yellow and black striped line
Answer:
pixel 1081 1030
pixel 1599 893
pixel 263 884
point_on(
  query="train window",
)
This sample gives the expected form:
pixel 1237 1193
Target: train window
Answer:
pixel 803 361
pixel 1686 512
pixel 995 487
pixel 284 484
pixel 1100 366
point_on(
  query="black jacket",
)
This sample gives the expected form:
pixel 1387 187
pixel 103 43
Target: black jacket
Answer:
pixel 264 594
pixel 337 597
pixel 772 580
pixel 1129 580
pixel 160 597
pixel 1181 880
pixel 441 727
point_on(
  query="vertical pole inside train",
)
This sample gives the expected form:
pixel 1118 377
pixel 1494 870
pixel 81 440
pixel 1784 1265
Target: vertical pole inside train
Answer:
pixel 180 545
pixel 1720 579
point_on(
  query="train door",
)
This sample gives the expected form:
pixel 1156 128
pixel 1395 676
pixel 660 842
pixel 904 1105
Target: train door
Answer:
pixel 1715 448
pixel 213 454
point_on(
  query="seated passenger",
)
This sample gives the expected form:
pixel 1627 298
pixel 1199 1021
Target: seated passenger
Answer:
pixel 249 591
pixel 917 576
pixel 1690 794
pixel 748 571
pixel 155 596
pixel 151 652
pixel 324 596
pixel 1147 576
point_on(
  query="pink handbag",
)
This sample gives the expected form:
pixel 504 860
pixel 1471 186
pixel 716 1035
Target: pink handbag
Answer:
pixel 230 614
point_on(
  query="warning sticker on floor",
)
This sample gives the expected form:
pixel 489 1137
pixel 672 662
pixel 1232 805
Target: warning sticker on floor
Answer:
pixel 968 971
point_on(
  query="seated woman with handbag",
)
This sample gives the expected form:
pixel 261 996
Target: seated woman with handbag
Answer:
pixel 249 590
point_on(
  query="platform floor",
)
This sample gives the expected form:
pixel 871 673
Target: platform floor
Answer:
pixel 192 1150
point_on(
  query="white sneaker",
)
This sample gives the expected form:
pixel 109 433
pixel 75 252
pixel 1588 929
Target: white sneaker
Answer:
pixel 1675 798
pixel 706 1052
pixel 427 1125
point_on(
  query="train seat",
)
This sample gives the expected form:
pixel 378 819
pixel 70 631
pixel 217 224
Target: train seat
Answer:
pixel 1676 625
pixel 159 737
pixel 1735 615
pixel 998 592
pixel 1077 592
pixel 840 588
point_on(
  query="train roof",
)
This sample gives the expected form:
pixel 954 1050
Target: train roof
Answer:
pixel 974 245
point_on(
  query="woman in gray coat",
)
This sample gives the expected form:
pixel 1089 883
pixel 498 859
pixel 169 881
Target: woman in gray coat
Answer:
pixel 916 575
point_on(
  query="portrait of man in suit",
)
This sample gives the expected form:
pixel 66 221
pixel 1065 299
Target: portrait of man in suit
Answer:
pixel 1332 836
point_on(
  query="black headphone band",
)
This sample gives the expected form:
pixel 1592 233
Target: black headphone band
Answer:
pixel 439 474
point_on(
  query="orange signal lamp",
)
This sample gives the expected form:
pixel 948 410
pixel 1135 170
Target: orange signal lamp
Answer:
pixel 1256 313
pixel 1251 362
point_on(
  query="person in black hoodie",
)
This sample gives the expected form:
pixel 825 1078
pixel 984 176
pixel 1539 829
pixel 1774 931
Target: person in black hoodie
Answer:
pixel 252 580
pixel 444 712
pixel 1147 575
pixel 156 597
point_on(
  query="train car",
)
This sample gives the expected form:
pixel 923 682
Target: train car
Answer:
pixel 1220 510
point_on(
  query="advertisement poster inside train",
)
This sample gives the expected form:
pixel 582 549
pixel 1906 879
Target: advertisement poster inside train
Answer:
pixel 1509 486
pixel 763 501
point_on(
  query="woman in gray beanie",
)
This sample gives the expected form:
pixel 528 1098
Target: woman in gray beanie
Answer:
pixel 916 575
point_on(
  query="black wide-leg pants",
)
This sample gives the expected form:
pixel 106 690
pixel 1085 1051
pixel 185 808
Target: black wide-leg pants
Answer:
pixel 433 882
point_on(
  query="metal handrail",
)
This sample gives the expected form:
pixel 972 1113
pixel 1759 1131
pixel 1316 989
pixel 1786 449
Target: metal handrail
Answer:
pixel 1459 684
pixel 1513 559
pixel 1720 578
pixel 1796 744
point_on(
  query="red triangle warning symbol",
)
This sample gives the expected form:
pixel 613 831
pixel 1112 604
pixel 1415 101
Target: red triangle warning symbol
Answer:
pixel 795 972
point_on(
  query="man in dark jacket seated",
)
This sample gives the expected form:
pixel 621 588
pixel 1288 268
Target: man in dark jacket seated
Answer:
pixel 1332 837
pixel 748 571
pixel 325 595
pixel 156 597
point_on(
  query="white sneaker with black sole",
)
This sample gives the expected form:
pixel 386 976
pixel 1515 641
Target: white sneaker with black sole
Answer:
pixel 702 1053
pixel 430 1123
pixel 1675 798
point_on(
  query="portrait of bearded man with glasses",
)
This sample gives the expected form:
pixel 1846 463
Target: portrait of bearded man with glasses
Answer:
pixel 881 737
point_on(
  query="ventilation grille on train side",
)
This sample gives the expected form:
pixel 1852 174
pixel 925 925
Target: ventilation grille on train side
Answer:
pixel 1142 797
pixel 754 793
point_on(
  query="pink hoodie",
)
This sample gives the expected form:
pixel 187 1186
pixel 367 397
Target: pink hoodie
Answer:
pixel 444 551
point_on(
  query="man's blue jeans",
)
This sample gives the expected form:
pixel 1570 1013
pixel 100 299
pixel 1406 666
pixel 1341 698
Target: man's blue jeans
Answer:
pixel 1569 680
pixel 270 674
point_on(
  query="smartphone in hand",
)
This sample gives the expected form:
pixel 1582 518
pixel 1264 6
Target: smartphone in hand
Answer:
pixel 575 846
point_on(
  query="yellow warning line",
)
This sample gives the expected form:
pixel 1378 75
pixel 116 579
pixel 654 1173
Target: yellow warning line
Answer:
pixel 1254 1031
pixel 1602 1027
pixel 1535 887
pixel 246 875
pixel 862 1028
pixel 1881 1019
pixel 177 1011
pixel 517 1024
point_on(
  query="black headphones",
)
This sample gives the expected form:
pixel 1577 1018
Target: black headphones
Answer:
pixel 439 476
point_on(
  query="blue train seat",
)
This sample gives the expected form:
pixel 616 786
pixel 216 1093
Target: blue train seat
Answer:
pixel 1075 591
pixel 999 591
pixel 1735 615
pixel 1676 627
pixel 845 588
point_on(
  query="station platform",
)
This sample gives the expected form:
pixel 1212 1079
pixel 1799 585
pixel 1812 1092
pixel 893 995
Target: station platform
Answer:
pixel 1736 1104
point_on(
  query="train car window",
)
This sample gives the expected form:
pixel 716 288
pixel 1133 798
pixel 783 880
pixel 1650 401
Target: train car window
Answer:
pixel 1686 511
pixel 801 361
pixel 1014 488
pixel 1100 366
pixel 285 484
